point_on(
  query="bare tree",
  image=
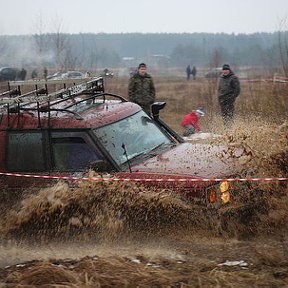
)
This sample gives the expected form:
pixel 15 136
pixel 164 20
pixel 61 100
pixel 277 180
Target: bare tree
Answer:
pixel 283 45
pixel 215 61
pixel 3 45
pixel 59 42
pixel 70 60
pixel 39 36
pixel 216 58
pixel 3 42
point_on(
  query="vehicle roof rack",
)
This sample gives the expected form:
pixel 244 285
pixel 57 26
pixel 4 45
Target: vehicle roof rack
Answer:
pixel 13 92
pixel 14 101
pixel 40 95
pixel 33 82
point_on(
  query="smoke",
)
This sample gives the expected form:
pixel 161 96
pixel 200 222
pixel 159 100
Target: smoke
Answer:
pixel 23 53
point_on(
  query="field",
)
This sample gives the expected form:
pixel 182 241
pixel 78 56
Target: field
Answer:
pixel 123 235
pixel 263 101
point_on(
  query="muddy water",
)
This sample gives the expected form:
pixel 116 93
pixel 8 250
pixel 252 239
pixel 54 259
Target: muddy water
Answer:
pixel 122 234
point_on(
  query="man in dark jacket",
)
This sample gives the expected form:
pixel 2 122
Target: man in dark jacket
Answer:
pixel 141 89
pixel 194 72
pixel 188 72
pixel 228 90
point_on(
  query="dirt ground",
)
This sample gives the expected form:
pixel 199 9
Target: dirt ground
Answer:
pixel 198 262
pixel 141 238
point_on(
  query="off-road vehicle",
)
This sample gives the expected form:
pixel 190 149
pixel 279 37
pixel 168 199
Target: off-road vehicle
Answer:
pixel 82 127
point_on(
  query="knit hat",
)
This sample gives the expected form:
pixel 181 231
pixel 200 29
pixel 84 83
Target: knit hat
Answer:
pixel 200 111
pixel 142 65
pixel 226 67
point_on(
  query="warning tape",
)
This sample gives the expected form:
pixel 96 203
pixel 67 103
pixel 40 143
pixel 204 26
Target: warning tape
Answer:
pixel 275 79
pixel 268 179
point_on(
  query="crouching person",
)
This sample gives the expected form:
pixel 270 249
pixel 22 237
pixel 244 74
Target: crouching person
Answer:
pixel 190 122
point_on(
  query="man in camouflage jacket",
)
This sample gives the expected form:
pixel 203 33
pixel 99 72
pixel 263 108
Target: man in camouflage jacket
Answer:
pixel 228 90
pixel 141 89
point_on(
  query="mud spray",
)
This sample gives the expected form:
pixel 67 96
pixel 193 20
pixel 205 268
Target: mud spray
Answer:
pixel 144 237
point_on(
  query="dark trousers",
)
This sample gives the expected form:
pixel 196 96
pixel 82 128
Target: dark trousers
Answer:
pixel 227 112
pixel 189 130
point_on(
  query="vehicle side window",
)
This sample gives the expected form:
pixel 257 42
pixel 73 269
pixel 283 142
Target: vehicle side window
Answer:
pixel 73 154
pixel 25 152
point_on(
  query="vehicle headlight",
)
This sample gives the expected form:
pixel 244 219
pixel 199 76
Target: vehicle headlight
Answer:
pixel 215 196
pixel 225 194
pixel 224 186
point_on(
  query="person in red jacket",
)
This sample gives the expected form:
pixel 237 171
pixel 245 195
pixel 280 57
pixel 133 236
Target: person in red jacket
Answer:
pixel 190 122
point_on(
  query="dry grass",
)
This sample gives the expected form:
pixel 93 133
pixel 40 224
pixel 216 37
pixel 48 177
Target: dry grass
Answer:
pixel 139 272
pixel 262 101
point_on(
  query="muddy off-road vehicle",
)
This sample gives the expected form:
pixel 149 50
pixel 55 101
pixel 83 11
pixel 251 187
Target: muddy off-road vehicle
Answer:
pixel 82 127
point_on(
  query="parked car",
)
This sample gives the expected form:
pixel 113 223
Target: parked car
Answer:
pixel 55 76
pixel 8 74
pixel 88 128
pixel 66 75
pixel 214 73
pixel 73 75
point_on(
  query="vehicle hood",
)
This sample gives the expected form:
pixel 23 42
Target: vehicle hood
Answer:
pixel 194 160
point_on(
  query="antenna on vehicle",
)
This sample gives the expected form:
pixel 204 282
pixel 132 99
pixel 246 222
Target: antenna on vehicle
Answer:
pixel 126 155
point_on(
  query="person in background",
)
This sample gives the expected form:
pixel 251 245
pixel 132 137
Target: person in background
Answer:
pixel 23 73
pixel 34 74
pixel 228 91
pixel 190 122
pixel 87 74
pixel 45 73
pixel 141 88
pixel 194 72
pixel 188 72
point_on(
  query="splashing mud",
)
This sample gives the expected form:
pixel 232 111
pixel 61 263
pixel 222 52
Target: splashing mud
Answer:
pixel 145 237
pixel 264 149
pixel 109 209
pixel 264 145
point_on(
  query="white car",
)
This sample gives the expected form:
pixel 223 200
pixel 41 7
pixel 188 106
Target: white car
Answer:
pixel 214 73
pixel 73 75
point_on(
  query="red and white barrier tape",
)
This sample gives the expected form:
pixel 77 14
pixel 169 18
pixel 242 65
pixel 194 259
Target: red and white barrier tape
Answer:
pixel 275 79
pixel 267 179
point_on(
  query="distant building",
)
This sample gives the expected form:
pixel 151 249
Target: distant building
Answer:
pixel 160 61
pixel 129 61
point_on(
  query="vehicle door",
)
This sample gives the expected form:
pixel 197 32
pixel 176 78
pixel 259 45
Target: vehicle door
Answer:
pixel 50 152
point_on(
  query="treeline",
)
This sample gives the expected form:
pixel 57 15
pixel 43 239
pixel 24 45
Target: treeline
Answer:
pixel 91 51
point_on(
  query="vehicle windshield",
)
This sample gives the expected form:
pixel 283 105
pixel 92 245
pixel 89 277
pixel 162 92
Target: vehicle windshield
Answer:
pixel 138 133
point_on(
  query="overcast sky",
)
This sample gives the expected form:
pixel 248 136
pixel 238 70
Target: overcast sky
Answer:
pixel 121 16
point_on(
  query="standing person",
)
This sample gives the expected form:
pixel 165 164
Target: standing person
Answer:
pixel 22 74
pixel 141 88
pixel 190 122
pixel 194 72
pixel 228 91
pixel 45 73
pixel 188 72
pixel 87 74
pixel 34 74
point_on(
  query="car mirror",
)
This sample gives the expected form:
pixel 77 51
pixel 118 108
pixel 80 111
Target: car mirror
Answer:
pixel 156 107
